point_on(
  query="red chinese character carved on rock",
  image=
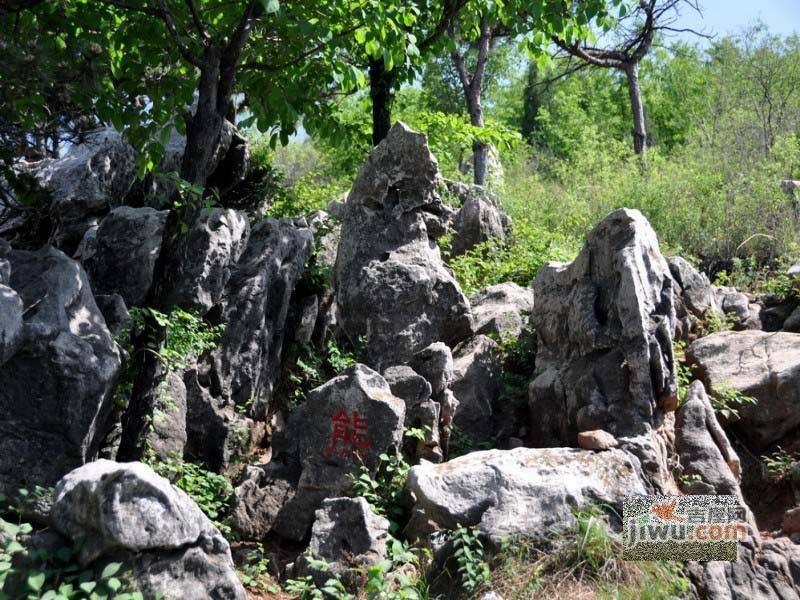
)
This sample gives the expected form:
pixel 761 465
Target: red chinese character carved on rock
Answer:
pixel 346 437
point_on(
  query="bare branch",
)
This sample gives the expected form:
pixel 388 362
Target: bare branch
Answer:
pixel 198 23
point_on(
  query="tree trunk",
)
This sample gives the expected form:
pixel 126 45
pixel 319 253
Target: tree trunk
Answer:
pixel 637 109
pixel 203 131
pixel 480 150
pixel 381 82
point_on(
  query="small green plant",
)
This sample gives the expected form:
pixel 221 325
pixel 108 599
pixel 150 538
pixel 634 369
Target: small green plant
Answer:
pixel 385 490
pixel 780 462
pixel 188 335
pixel 473 570
pixel 307 589
pixel 687 480
pixel 55 574
pixel 683 373
pixel 254 571
pixel 211 491
pixel 385 581
pixel 728 402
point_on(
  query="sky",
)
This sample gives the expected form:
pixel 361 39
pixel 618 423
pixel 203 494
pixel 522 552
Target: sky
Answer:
pixel 722 17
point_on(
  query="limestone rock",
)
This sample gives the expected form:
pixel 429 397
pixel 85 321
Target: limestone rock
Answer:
pixel 477 221
pixel 391 285
pixel 126 246
pixel 604 361
pixel 10 310
pixel 526 491
pixel 764 366
pixel 695 298
pixel 167 435
pixel 56 387
pixel 477 381
pixel 348 536
pixel 348 421
pixel 256 300
pixel 93 177
pixel 211 248
pixel 126 510
pixel 435 364
pixel 596 440
pixel 502 309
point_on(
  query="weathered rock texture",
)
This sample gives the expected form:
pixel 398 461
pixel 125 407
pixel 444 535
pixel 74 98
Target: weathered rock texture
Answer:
pixel 476 384
pixel 84 184
pixel 694 297
pixel 605 324
pixel 477 221
pixel 57 379
pixel 347 422
pixel 348 536
pixel 764 366
pixel 502 309
pixel 167 435
pixel 126 510
pixel 526 491
pixel 391 285
pixel 124 253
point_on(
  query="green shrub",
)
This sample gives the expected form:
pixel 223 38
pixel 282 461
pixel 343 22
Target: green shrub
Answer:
pixel 473 570
pixel 384 491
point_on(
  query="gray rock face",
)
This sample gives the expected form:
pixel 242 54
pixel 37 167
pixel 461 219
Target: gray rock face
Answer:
pixel 348 536
pixel 348 421
pixel 10 310
pixel 703 447
pixel 771 571
pixel 477 373
pixel 125 509
pixel 764 366
pixel 391 285
pixel 256 301
pixel 92 178
pixel 55 389
pixel 421 412
pixel 694 296
pixel 435 364
pixel 525 491
pixel 167 435
pixel 406 384
pixel 114 310
pixel 792 323
pixel 502 309
pixel 125 249
pixel 605 325
pixel 477 221
pixel 213 245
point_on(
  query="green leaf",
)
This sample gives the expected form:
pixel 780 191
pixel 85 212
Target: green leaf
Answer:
pixel 110 570
pixel 270 6
pixel 36 581
pixel 88 586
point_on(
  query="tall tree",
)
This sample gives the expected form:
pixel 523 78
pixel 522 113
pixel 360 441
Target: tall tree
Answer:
pixel 632 38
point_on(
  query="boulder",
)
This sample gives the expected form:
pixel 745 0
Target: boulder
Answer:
pixel 421 412
pixel 502 309
pixel 792 322
pixel 477 221
pixel 770 570
pixel 695 299
pixel 125 250
pixel 775 312
pixel 477 382
pixel 167 434
pixel 84 184
pixel 345 423
pixel 710 464
pixel 604 361
pixel 56 388
pixel 125 510
pixel 531 492
pixel 348 536
pixel 259 498
pixel 208 253
pixel 10 310
pixel 391 285
pixel 435 364
pixel 596 440
pixel 114 311
pixel 764 366
pixel 255 305
pixel 406 384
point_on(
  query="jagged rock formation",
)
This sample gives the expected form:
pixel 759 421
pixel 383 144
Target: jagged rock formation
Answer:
pixel 477 372
pixel 123 252
pixel 348 536
pixel 477 221
pixel 764 366
pixel 58 373
pixel 531 492
pixel 502 309
pixel 695 298
pixel 391 285
pixel 346 422
pixel 167 435
pixel 85 184
pixel 125 510
pixel 605 324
